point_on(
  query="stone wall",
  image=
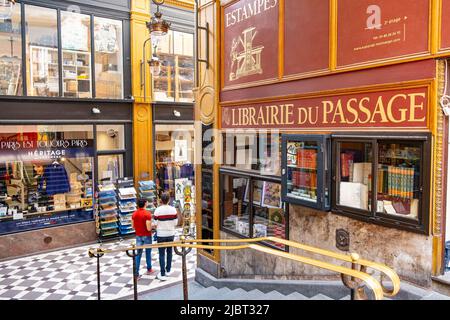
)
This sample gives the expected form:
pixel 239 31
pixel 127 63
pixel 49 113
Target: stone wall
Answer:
pixel 38 241
pixel 409 254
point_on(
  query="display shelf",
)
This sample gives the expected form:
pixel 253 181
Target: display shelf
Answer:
pixel 305 170
pixel 107 209
pixel 127 197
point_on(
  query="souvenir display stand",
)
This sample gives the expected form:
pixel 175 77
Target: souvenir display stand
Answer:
pixel 107 212
pixel 127 197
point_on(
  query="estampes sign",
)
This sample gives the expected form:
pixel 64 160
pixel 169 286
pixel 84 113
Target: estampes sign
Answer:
pixel 393 109
pixel 248 10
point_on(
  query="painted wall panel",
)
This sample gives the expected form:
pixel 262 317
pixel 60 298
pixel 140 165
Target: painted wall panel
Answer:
pixel 369 30
pixel 250 33
pixel 307 41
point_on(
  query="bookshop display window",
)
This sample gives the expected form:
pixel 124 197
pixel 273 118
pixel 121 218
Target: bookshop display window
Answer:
pixel 108 44
pixel 175 82
pixel 383 179
pixel 252 207
pixel 76 55
pixel 11 54
pixel 46 176
pixel 174 154
pixel 252 150
pixel 42 51
pixel 306 170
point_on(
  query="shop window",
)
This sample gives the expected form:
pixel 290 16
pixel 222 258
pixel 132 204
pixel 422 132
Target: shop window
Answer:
pixel 176 80
pixel 108 58
pixel 11 54
pixel 110 167
pixel 253 207
pixel 383 180
pixel 174 151
pixel 252 150
pixel 42 51
pixel 306 170
pixel 398 185
pixel 76 55
pixel 355 172
pixel 110 137
pixel 45 176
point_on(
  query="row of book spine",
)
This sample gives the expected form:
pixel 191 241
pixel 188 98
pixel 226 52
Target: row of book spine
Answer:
pixel 397 181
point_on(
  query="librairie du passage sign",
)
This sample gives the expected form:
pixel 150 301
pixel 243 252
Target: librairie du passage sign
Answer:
pixel 399 108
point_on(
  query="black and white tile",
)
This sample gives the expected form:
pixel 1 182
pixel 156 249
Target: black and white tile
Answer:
pixel 72 275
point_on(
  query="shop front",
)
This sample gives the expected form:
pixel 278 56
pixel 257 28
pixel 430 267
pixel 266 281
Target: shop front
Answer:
pixel 339 146
pixel 66 121
pixel 172 107
pixel 174 147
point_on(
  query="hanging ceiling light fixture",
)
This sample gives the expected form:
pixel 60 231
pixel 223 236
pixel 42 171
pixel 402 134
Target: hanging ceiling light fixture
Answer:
pixel 155 64
pixel 157 26
pixel 6 8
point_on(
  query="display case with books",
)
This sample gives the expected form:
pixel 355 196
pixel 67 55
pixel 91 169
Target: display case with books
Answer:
pixel 383 179
pixel 305 170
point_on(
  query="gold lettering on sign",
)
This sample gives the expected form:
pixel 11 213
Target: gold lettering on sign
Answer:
pixel 402 111
pixel 414 106
pixel 379 109
pixel 327 109
pixel 352 110
pixel 364 109
pixel 395 109
pixel 249 10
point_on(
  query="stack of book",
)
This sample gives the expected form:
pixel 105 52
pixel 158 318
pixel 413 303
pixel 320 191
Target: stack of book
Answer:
pixel 397 182
pixel 307 158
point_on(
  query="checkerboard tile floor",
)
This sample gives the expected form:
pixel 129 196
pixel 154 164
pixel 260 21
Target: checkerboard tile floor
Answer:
pixel 71 275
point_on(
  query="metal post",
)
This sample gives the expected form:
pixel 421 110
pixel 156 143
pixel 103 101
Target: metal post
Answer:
pixel 184 266
pixel 97 253
pixel 356 286
pixel 183 253
pixel 135 277
pixel 98 278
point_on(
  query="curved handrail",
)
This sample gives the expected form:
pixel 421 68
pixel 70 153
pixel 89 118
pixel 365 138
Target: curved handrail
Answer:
pixel 378 288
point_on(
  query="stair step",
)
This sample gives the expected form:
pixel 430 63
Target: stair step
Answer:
pixel 206 294
pixel 320 297
pixel 296 296
pixel 255 295
pixel 436 296
pixel 274 295
pixel 237 294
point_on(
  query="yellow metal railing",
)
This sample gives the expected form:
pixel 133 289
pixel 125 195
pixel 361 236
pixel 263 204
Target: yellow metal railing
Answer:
pixel 355 278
